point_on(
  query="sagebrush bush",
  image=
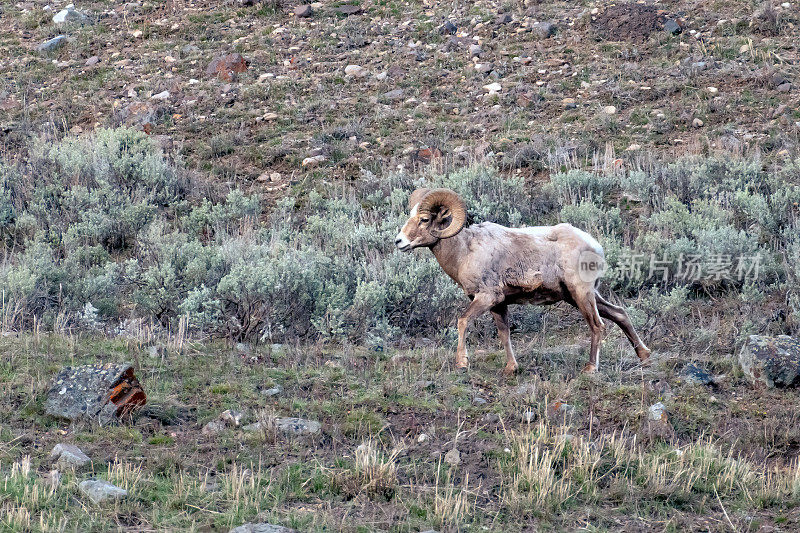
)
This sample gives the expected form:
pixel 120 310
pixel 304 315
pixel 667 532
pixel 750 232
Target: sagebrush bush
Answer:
pixel 106 223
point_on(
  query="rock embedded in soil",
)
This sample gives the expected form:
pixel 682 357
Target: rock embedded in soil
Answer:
pixel 227 67
pixel 670 26
pixel 697 376
pixel 453 457
pixel 448 28
pixel 99 491
pixel 355 71
pixel 771 361
pixel 348 10
pixel 261 528
pixel 657 412
pixel 102 392
pixel 69 15
pixel 69 456
pixel 48 47
pixel 543 30
pixel 303 11
pixel 297 426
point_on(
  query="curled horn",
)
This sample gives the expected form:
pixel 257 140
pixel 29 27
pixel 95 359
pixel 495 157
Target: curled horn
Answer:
pixel 416 197
pixel 446 207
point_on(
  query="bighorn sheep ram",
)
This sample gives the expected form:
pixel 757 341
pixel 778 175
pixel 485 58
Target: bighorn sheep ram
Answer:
pixel 497 266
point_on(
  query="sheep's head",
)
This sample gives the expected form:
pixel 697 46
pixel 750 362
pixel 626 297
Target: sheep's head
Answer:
pixel 435 214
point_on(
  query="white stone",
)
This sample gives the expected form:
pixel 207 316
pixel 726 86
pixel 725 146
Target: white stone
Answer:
pixel 493 87
pixel 355 71
pixel 99 491
pixel 610 110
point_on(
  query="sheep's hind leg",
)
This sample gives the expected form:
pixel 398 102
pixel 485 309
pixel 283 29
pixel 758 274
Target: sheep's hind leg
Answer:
pixel 618 315
pixel 500 314
pixel 480 304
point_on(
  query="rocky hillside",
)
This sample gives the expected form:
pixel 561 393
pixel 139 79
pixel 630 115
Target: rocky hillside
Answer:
pixel 268 93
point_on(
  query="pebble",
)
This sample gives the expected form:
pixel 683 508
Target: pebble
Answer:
pixel 448 28
pixel 69 455
pixel 712 90
pixel 610 110
pixel 52 45
pixel 453 457
pixel 697 123
pixel 475 50
pixel 569 103
pixel 657 412
pixel 303 11
pixel 355 71
pixel 99 491
pixel 493 87
pixel 163 95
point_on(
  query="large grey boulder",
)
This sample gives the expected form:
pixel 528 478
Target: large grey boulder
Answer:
pixel 102 392
pixel 771 361
pixel 261 528
pixel 99 490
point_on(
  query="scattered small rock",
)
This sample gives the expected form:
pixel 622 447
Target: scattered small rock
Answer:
pixel 569 103
pixel 261 528
pixel 448 28
pixel 697 376
pixel 277 389
pixel 610 110
pixel 395 94
pixel 475 50
pixel 453 457
pixel 671 26
pixel 69 15
pixel 355 71
pixel 479 401
pixel 543 30
pixel 69 456
pixel 771 361
pixel 298 426
pixel 697 123
pixel 311 162
pixel 657 412
pixel 493 88
pixel 422 438
pixel 231 417
pixel 503 18
pixel 348 10
pixel 712 90
pixel 163 95
pixel 213 427
pixel 92 61
pixel 227 67
pixel 99 491
pixel 52 45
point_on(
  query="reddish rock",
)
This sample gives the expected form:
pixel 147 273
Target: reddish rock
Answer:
pixel 227 67
pixel 426 155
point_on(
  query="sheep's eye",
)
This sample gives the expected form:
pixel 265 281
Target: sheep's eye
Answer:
pixel 424 220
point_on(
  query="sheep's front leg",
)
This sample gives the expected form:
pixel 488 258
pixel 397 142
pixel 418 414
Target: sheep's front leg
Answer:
pixel 480 304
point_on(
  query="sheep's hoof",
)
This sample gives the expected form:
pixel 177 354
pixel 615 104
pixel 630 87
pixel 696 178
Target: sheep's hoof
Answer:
pixel 590 368
pixel 462 367
pixel 510 370
pixel 644 355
